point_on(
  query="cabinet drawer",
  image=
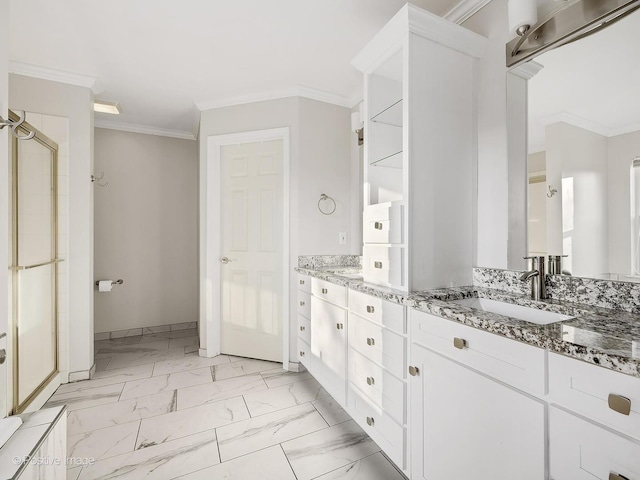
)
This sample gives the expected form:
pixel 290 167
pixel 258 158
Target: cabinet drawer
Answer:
pixel 389 436
pixel 304 352
pixel 304 283
pixel 586 390
pixel 383 265
pixel 379 344
pixel 382 223
pixel 304 304
pixel 519 365
pixel 304 328
pixel 383 312
pixel 378 385
pixel 330 292
pixel 580 450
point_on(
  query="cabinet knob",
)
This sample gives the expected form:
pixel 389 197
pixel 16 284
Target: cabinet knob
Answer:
pixel 370 421
pixel 617 476
pixel 377 264
pixel 324 291
pixel 301 282
pixel 414 371
pixel 370 309
pixel 371 342
pixel 302 328
pixel 339 326
pixel 619 404
pixel 460 343
pixel 301 303
pixel 301 353
pixel 377 225
pixel 370 381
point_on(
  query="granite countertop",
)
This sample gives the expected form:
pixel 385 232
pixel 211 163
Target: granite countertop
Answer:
pixel 601 336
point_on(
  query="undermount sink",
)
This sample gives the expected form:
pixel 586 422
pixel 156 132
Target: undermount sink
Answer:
pixel 531 315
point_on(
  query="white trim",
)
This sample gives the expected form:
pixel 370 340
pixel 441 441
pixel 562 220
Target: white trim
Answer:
pixel 415 20
pixel 577 121
pixel 297 91
pixel 464 10
pixel 133 128
pixel 53 74
pixel 210 242
pixel 527 70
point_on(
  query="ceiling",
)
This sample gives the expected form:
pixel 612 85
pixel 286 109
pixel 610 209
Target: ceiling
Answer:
pixel 161 58
pixel 593 83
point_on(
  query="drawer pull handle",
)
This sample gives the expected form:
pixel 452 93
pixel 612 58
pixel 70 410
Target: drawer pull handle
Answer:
pixel 414 371
pixel 339 326
pixel 301 353
pixel 370 381
pixel 619 404
pixel 370 421
pixel 460 343
pixel 616 476
pixel 377 225
pixel 324 291
pixel 377 264
pixel 301 282
pixel 302 328
pixel 370 309
pixel 301 303
pixel 371 342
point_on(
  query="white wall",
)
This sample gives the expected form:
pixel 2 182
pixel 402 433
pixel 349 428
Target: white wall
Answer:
pixel 75 103
pixel 4 203
pixel 321 162
pixel 622 149
pixel 146 224
pixel 575 153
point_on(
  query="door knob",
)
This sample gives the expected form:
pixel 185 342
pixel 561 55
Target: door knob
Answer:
pixel 224 260
pixel 414 371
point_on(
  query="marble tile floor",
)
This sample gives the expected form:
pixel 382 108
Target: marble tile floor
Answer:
pixel 156 410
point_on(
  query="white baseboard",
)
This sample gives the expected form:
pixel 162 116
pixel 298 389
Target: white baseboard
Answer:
pixel 82 374
pixel 295 367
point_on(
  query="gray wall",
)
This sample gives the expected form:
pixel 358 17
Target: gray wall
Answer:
pixel 146 230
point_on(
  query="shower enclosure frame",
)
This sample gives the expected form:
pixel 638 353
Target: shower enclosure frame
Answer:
pixel 42 139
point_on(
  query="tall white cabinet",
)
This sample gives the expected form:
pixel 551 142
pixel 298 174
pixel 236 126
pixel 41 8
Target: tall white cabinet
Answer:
pixel 420 143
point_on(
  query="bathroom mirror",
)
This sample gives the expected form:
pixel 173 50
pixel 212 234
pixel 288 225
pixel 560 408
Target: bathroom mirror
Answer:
pixel 584 153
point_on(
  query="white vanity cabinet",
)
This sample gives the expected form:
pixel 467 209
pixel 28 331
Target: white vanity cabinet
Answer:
pixel 601 440
pixel 464 422
pixel 304 320
pixel 377 382
pixel 419 107
pixel 328 359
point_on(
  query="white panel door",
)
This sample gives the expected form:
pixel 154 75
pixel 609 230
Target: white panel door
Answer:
pixel 251 246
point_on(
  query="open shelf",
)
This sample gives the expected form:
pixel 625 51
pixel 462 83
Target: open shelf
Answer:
pixel 392 115
pixel 392 161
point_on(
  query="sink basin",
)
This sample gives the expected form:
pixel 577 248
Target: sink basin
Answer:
pixel 531 315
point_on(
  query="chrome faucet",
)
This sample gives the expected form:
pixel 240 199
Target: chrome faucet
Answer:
pixel 537 276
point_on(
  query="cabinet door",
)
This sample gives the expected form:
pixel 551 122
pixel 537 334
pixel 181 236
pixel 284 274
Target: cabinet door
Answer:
pixel 465 425
pixel 581 450
pixel 328 347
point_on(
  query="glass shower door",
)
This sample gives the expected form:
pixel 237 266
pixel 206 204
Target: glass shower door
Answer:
pixel 34 230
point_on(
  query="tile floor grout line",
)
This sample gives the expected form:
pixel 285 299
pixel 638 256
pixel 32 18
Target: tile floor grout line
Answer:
pixel 135 444
pixel 338 468
pixel 287 458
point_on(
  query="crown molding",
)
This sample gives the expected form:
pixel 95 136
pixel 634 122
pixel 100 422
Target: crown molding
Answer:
pixel 527 70
pixel 577 121
pixel 464 10
pixel 297 91
pixel 54 75
pixel 133 128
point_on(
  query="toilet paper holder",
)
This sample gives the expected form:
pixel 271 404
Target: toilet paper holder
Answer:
pixel 114 282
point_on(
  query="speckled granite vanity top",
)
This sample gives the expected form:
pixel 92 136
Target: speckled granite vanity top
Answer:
pixel 601 336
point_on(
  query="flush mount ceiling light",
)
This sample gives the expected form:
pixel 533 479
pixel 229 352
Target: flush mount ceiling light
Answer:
pixel 106 107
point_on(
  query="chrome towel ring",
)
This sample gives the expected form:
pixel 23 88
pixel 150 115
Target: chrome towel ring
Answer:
pixel 328 210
